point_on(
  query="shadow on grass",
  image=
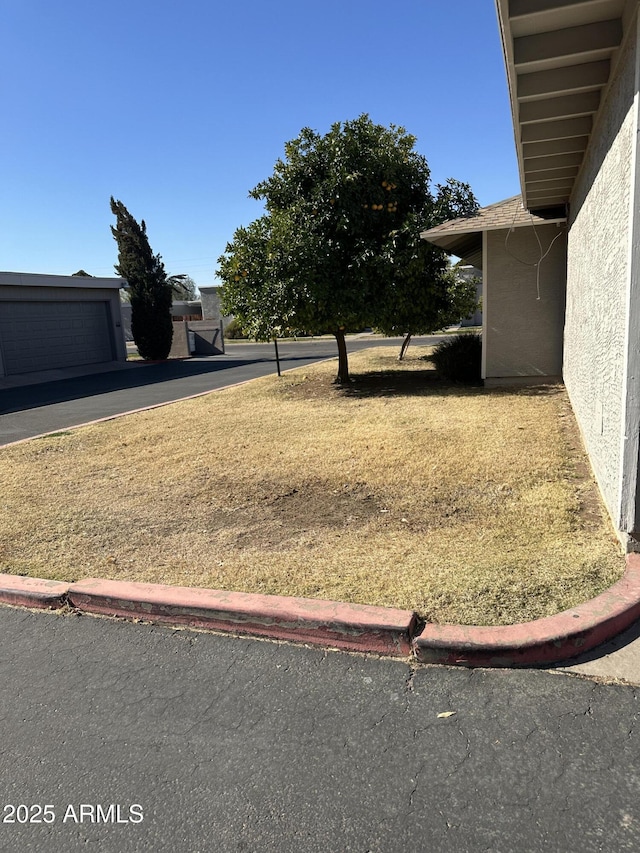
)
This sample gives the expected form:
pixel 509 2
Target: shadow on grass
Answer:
pixel 384 383
pixel 409 383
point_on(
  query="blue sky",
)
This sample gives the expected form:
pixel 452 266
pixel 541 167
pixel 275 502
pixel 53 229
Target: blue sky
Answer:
pixel 178 109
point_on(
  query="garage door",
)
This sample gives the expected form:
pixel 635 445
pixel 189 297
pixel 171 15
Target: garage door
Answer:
pixel 46 335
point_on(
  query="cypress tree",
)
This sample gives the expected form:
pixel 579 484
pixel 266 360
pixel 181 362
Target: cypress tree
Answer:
pixel 150 290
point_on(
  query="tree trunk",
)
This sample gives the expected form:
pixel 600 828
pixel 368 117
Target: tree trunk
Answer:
pixel 343 361
pixel 405 346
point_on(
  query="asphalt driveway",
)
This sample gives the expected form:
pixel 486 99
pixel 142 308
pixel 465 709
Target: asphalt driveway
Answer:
pixel 33 409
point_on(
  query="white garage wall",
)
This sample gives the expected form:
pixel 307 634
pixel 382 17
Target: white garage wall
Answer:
pixel 38 291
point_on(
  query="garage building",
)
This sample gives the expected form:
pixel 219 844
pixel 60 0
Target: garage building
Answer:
pixel 51 321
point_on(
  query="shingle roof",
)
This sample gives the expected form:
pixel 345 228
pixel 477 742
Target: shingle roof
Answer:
pixel 463 236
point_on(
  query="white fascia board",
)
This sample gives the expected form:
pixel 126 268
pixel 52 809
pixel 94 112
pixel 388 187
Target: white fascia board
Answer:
pixel 502 227
pixel 23 279
pixel 502 10
pixel 538 224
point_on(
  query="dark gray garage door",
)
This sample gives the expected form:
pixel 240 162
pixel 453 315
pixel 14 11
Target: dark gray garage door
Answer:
pixel 45 335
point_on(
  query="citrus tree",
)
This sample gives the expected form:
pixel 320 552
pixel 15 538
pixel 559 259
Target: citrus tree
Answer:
pixel 258 272
pixel 324 255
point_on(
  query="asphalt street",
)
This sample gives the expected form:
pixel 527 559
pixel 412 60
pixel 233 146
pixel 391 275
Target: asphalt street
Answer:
pixel 35 409
pixel 214 743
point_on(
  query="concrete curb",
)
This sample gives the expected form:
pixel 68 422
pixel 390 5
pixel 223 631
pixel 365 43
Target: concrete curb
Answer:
pixel 353 627
pixel 544 641
pixel 347 626
pixel 33 592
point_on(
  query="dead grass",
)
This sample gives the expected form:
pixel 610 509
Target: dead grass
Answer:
pixel 467 505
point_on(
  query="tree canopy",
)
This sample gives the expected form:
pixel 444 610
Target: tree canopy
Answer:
pixel 423 292
pixel 150 291
pixel 341 230
pixel 184 287
pixel 259 275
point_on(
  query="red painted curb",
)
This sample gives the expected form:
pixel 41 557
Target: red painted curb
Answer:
pixel 543 641
pixel 32 592
pixel 355 627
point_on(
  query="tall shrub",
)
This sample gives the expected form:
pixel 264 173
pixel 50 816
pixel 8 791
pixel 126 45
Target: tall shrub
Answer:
pixel 150 290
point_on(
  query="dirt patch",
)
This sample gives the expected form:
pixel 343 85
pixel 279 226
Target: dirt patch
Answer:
pixel 591 509
pixel 267 516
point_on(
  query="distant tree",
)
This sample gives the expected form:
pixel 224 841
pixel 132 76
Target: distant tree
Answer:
pixel 423 294
pixel 184 287
pixel 150 291
pixel 82 273
pixel 335 205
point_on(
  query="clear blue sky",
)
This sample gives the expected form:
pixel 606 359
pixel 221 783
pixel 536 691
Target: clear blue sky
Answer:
pixel 178 109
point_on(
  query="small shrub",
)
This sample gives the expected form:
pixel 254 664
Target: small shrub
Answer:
pixel 459 359
pixel 234 331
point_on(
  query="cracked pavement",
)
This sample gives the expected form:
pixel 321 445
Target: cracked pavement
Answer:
pixel 233 744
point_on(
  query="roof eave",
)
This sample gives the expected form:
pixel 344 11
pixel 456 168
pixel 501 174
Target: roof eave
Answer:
pixel 560 56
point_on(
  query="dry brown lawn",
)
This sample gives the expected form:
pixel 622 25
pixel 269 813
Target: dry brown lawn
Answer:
pixel 466 504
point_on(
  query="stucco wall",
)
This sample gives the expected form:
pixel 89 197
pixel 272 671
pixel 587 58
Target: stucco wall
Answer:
pixel 523 333
pixel 597 281
pixel 210 299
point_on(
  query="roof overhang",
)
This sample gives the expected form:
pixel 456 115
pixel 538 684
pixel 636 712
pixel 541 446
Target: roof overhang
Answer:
pixel 23 279
pixel 465 246
pixel 560 56
pixel 463 237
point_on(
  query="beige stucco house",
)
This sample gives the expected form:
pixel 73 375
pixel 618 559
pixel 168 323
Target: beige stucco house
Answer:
pixel 573 69
pixel 523 298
